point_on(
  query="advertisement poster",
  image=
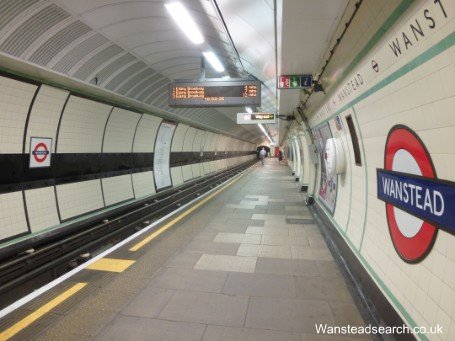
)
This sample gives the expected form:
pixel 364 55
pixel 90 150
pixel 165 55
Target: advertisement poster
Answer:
pixel 161 157
pixel 328 186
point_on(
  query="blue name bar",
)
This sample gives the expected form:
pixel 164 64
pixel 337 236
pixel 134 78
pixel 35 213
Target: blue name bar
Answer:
pixel 432 200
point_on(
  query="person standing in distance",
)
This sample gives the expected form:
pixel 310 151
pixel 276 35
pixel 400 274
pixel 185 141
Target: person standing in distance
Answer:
pixel 262 154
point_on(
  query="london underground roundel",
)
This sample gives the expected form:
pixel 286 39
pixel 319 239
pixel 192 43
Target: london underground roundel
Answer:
pixel 414 198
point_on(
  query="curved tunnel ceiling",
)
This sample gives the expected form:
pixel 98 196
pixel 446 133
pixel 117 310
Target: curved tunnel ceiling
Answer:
pixel 133 48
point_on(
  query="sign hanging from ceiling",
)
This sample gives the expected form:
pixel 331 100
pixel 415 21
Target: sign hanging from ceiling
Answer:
pixel 295 81
pixel 255 118
pixel 228 93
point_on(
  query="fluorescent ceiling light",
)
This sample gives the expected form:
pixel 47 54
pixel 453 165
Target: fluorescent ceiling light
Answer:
pixel 248 110
pixel 214 61
pixel 184 20
pixel 265 132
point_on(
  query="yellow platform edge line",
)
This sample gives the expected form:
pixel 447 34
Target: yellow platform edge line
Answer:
pixel 180 217
pixel 111 264
pixel 28 320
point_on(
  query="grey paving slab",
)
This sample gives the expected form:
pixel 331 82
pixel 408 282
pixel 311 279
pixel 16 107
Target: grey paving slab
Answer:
pixel 189 279
pixel 270 251
pixel 219 333
pixel 328 268
pixel 284 240
pixel 305 252
pixel 267 231
pixel 245 206
pixel 269 216
pixel 226 263
pixel 148 303
pixel 295 267
pixel 212 247
pixel 238 215
pixel 245 238
pixel 208 308
pixel 287 314
pixel 323 288
pixel 317 241
pixel 134 328
pixel 277 224
pixel 256 222
pixel 262 285
pixel 206 234
pixel 185 260
pixel 346 313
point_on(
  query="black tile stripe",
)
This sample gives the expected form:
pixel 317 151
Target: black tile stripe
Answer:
pixel 16 175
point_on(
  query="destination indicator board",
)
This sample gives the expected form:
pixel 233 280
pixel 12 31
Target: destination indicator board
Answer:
pixel 187 93
pixel 255 118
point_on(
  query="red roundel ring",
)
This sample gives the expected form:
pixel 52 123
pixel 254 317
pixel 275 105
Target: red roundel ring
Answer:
pixel 40 158
pixel 417 247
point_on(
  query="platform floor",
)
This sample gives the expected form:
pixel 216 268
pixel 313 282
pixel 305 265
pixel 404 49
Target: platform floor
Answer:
pixel 250 264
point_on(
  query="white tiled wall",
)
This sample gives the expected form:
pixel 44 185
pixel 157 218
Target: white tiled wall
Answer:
pixel 41 208
pixel 179 137
pixel 189 139
pixel 45 114
pixel 15 99
pixel 144 141
pixel 12 215
pixel 187 172
pixel 82 126
pixel 177 176
pixel 117 189
pixel 78 198
pixel 422 99
pixel 118 137
pixel 143 184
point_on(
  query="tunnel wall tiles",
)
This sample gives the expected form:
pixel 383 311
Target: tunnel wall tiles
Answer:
pixel 99 141
pixel 179 137
pixel 45 114
pixel 82 126
pixel 117 189
pixel 79 198
pixel 415 88
pixel 12 215
pixel 143 184
pixel 119 132
pixel 144 140
pixel 15 99
pixel 42 208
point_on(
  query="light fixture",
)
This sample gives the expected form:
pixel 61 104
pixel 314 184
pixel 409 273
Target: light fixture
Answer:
pixel 265 132
pixel 248 110
pixel 214 61
pixel 184 20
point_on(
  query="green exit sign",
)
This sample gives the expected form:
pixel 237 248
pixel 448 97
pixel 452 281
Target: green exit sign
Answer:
pixel 295 82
